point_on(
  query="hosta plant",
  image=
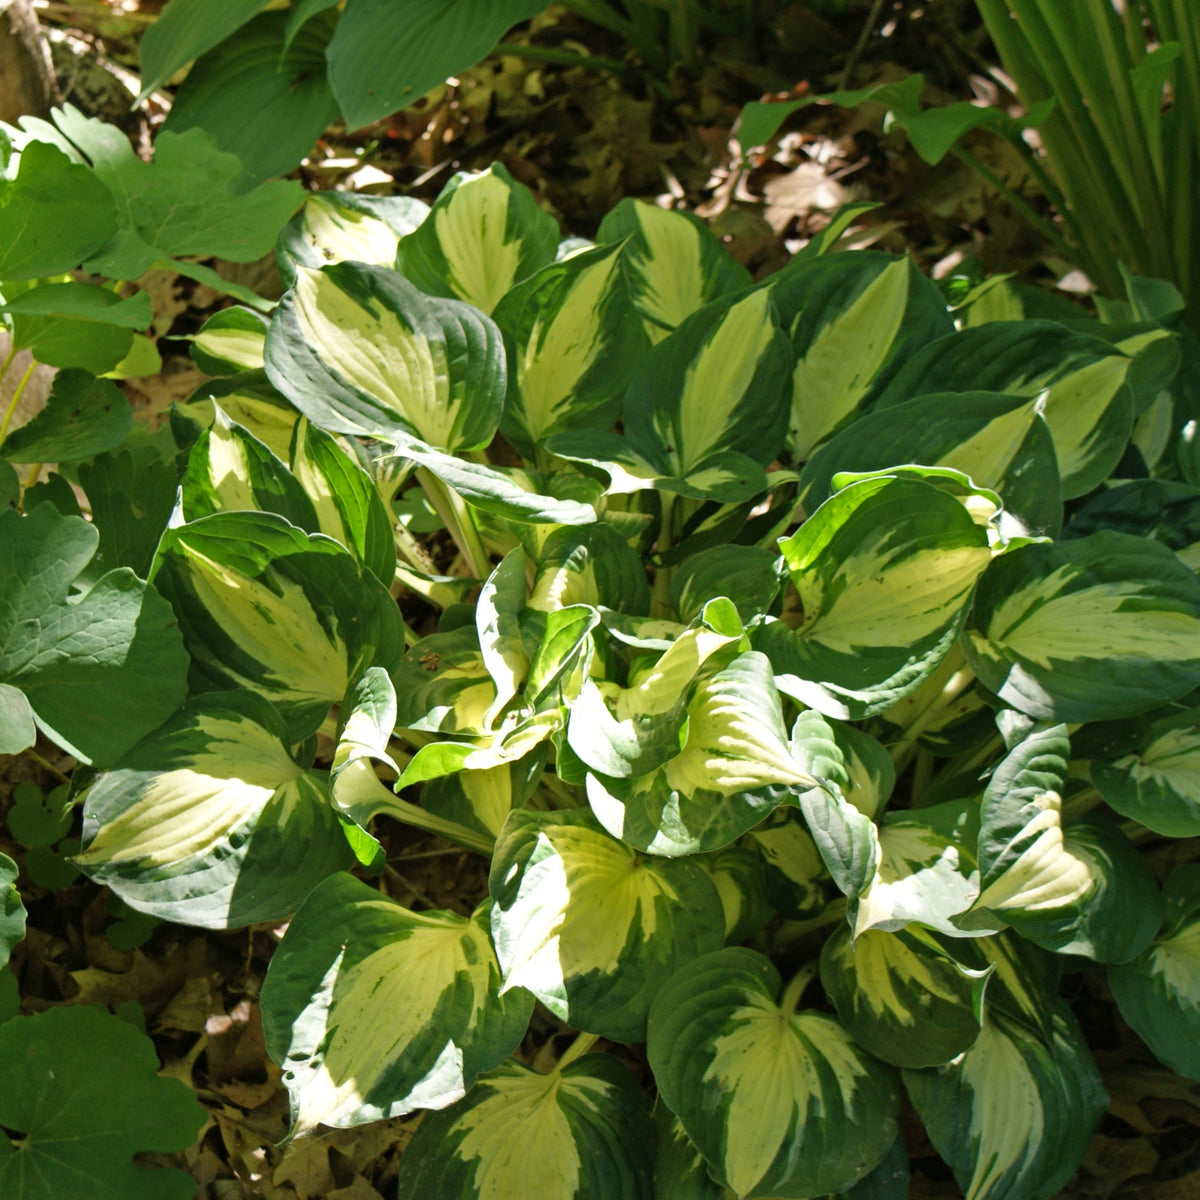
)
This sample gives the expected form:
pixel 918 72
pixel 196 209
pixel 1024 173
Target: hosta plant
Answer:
pixel 812 665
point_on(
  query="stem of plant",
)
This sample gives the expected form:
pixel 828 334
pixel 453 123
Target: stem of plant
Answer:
pixel 795 990
pixel 577 1049
pixel 458 520
pixel 16 399
pixel 831 914
pixel 903 751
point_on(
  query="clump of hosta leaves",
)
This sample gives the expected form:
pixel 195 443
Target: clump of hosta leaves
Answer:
pixel 811 662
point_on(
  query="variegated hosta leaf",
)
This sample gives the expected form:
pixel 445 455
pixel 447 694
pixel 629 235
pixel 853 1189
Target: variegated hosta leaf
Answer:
pixel 850 320
pixel 925 872
pixel 1161 509
pixel 231 340
pixel 740 879
pixel 337 227
pixel 1158 784
pixel 373 1011
pixel 1080 382
pixel 793 865
pixel 901 998
pixel 870 774
pixel 359 350
pixel 1023 979
pixel 713 389
pixel 679 1169
pixel 443 685
pixel 249 400
pixel 1013 1114
pixel 1158 993
pixel 884 571
pixel 1000 441
pixel 1090 630
pixel 229 469
pixel 482 799
pixel 733 768
pixel 780 1103
pixel 573 342
pixel 348 506
pixel 588 926
pixel 484 235
pixel 578 1133
pixel 747 575
pixel 267 607
pixel 590 564
pixel 675 263
pixel 209 821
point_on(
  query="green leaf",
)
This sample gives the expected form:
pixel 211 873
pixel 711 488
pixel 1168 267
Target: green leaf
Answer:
pixel 82 301
pixel 382 59
pixel 99 670
pixel 17 729
pixel 83 1086
pixel 264 606
pixel 578 1133
pixel 884 570
pixel 573 342
pixel 591 929
pixel 1013 1115
pixel 780 1103
pixel 901 998
pixel 83 416
pixel 263 99
pixel 37 820
pixel 675 263
pixel 358 349
pixel 747 575
pixel 1086 406
pixel 210 821
pixel 1158 993
pixel 186 30
pixel 12 911
pixel 589 564
pixel 740 880
pixel 851 320
pixel 1160 509
pixel 373 1011
pixel 55 214
pixel 1095 629
pixel 247 398
pixel 793 865
pixel 180 204
pixel 230 341
pixel 336 227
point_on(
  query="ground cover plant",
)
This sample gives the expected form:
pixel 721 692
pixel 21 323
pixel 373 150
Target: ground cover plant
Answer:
pixel 816 656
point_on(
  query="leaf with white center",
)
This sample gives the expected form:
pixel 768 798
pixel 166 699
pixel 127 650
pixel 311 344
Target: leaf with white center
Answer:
pixel 1078 381
pixel 591 928
pixel 740 879
pixel 443 685
pixel 1013 1115
pixel 1000 441
pixel 266 607
pixel 884 571
pixel 851 319
pixel 229 469
pixel 482 798
pixel 373 1011
pixel 230 341
pixel 679 1170
pixel 793 865
pixel 210 821
pixel 901 998
pixel 358 349
pixel 675 263
pixel 593 565
pixel 573 342
pixel 1158 783
pixel 484 234
pixel 747 575
pixel 870 773
pixel 780 1103
pixel 1158 993
pixel 1160 509
pixel 733 768
pixel 498 627
pixel 1095 629
pixel 346 227
pixel 246 398
pixel 347 503
pixel 578 1133
pixel 714 388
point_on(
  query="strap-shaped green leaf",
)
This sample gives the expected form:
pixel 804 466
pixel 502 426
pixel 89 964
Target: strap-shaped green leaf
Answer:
pixel 1014 1114
pixel 901 998
pixel 850 319
pixel 578 1133
pixel 780 1103
pixel 264 606
pixel 884 571
pixel 373 1011
pixel 675 263
pixel 588 926
pixel 1158 993
pixel 358 349
pixel 573 343
pixel 484 234
pixel 210 821
pixel 1095 629
pixel 346 227
pixel 1086 403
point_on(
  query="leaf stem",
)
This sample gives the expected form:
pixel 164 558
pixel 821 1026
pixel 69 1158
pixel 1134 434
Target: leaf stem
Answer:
pixel 458 520
pixel 903 751
pixel 577 1049
pixel 795 990
pixel 452 831
pixel 831 914
pixel 16 399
